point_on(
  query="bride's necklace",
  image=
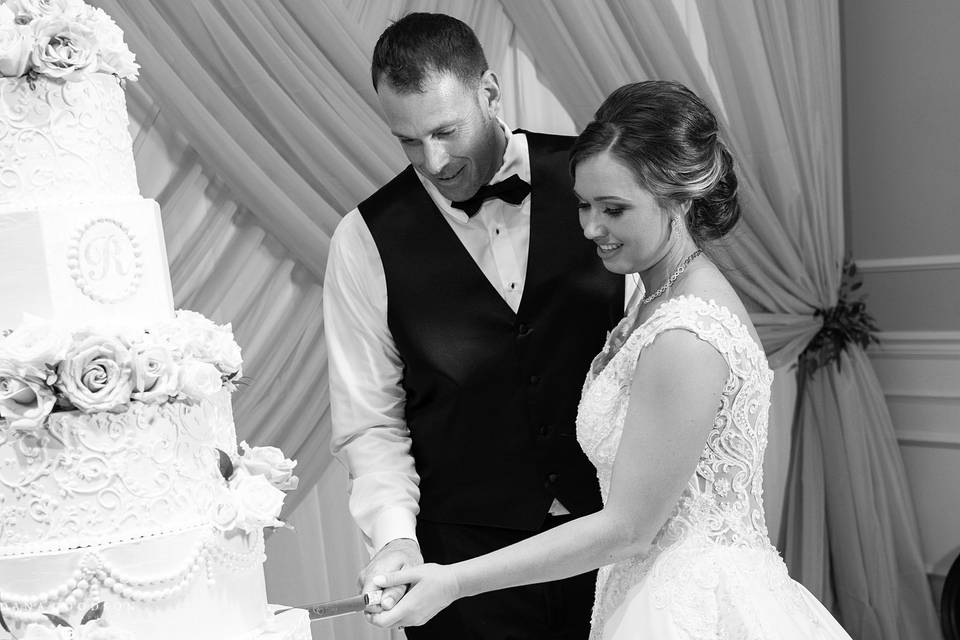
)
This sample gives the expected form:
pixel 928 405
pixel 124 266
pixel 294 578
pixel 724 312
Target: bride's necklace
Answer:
pixel 676 274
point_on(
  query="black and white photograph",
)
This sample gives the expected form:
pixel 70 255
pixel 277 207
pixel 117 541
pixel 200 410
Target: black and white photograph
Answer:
pixel 479 320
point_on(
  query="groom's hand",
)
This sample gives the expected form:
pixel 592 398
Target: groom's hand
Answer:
pixel 394 556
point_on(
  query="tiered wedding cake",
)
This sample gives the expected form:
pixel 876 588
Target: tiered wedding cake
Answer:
pixel 126 510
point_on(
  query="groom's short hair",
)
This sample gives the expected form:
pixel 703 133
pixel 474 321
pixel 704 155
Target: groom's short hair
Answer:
pixel 420 44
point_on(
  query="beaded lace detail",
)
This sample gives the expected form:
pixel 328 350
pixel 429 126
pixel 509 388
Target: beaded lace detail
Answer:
pixel 721 509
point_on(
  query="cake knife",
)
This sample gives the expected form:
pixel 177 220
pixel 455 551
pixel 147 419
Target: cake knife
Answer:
pixel 336 608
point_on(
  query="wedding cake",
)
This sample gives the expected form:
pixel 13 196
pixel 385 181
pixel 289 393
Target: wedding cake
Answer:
pixel 127 510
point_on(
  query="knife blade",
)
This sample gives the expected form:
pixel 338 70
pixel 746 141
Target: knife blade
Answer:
pixel 334 608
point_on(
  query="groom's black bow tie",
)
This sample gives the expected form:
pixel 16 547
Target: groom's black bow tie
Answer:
pixel 513 190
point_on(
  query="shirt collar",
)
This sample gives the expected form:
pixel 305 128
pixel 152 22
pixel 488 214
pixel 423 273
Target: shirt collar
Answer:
pixel 516 160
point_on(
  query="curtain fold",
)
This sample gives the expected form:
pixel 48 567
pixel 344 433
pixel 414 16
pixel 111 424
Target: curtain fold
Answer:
pixel 777 69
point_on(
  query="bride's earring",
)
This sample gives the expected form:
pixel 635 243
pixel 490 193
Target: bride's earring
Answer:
pixel 676 225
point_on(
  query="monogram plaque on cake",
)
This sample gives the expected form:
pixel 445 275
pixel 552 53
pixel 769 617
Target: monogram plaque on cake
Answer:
pixel 105 261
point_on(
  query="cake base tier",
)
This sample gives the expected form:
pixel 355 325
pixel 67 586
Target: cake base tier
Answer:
pixel 289 625
pixel 194 585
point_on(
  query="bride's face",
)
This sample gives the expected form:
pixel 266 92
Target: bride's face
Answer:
pixel 631 230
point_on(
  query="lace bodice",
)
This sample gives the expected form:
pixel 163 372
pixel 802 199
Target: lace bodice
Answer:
pixel 722 503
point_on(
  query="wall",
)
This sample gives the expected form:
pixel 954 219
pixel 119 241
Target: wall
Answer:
pixel 902 137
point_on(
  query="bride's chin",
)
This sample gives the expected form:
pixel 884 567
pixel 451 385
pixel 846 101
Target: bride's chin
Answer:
pixel 618 268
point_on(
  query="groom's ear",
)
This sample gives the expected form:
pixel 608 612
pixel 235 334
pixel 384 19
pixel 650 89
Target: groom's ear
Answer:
pixel 489 93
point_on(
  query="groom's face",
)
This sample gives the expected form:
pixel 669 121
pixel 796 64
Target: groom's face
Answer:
pixel 449 131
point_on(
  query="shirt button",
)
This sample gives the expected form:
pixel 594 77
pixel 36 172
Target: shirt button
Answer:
pixel 534 379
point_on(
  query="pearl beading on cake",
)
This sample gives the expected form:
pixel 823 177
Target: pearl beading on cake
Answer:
pixel 95 572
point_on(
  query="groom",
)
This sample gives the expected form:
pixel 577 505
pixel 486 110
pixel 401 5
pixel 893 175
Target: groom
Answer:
pixel 462 307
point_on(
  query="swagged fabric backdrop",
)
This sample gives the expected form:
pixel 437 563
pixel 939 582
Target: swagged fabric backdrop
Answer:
pixel 257 128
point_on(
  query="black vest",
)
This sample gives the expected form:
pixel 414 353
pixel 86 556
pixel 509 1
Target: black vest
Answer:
pixel 491 396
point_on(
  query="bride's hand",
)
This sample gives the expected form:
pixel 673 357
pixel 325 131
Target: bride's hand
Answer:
pixel 432 588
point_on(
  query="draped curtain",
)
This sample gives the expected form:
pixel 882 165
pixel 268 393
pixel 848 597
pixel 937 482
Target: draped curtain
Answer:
pixel 282 136
pixel 849 530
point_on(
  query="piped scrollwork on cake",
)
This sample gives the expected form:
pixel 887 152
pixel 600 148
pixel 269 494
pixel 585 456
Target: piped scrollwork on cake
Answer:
pixel 64 133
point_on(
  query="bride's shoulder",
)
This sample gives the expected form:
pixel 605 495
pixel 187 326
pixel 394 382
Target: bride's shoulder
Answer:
pixel 709 287
pixel 707 295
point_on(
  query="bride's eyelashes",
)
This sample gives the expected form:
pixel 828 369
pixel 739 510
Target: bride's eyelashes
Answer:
pixel 610 211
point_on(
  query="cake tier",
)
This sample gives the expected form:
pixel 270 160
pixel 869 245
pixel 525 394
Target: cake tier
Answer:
pixel 94 479
pixel 64 141
pixel 194 585
pixel 84 264
pixel 289 625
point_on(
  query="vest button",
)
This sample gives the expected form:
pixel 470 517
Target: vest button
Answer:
pixel 534 379
pixel 552 478
pixel 523 329
pixel 545 430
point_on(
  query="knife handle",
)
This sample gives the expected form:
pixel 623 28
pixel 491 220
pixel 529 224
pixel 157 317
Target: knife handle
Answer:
pixel 338 607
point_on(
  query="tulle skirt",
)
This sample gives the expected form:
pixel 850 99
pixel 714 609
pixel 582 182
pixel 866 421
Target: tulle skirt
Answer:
pixel 701 590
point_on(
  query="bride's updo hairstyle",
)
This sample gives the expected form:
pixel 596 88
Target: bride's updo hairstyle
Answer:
pixel 668 137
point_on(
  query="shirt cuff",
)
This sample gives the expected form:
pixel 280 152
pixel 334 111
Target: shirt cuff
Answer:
pixel 391 524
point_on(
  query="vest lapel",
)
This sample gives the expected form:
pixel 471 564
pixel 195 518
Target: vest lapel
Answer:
pixel 433 224
pixel 553 219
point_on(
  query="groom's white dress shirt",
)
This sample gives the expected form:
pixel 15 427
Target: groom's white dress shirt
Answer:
pixel 370 436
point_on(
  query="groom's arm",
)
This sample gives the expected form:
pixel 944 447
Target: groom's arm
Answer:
pixel 369 433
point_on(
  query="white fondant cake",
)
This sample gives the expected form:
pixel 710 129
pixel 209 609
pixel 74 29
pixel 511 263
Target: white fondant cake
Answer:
pixel 78 245
pixel 64 141
pixel 126 510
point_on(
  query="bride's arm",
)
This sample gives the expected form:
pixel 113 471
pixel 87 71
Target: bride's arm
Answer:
pixel 674 398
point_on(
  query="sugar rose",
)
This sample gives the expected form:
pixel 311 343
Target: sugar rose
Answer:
pixel 25 399
pixel 259 501
pixel 114 55
pixel 200 338
pixel 16 44
pixel 27 10
pixel 199 380
pixel 63 49
pixel 155 374
pixel 35 342
pixel 270 463
pixel 224 512
pixel 96 375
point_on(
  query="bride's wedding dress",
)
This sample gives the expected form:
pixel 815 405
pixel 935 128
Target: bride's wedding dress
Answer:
pixel 711 572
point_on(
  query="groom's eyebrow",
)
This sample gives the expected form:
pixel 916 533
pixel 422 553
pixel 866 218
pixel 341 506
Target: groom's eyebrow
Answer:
pixel 451 124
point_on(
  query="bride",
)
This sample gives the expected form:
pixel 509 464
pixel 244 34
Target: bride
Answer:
pixel 673 412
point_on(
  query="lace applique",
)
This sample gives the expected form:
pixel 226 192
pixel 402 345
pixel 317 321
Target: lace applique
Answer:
pixel 721 508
